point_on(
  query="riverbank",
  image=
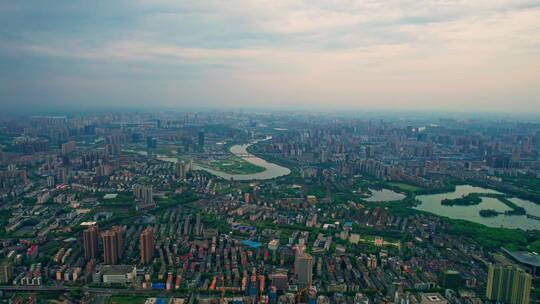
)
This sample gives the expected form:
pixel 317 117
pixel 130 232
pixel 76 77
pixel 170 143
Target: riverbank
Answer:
pixel 271 170
pixel 231 165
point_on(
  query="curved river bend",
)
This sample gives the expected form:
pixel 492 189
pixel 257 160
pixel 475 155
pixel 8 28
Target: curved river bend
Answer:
pixel 271 170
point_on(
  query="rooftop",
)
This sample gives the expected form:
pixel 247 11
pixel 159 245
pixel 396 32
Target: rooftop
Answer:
pixel 116 269
pixel 531 259
pixel 251 244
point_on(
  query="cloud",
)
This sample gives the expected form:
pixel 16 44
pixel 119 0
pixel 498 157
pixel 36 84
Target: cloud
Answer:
pixel 137 51
pixel 318 52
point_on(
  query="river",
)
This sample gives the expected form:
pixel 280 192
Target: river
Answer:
pixel 432 203
pixel 271 170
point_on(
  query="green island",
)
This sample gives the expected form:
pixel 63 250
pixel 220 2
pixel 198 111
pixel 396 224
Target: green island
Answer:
pixel 231 165
pixel 515 209
pixel 476 198
pixel 467 200
pixel 488 213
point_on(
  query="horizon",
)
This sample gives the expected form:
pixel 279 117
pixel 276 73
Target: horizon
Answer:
pixel 357 113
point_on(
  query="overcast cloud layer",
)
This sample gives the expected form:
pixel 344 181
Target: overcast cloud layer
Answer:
pixel 336 54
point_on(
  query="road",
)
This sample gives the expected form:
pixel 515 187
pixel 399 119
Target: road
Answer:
pixel 115 291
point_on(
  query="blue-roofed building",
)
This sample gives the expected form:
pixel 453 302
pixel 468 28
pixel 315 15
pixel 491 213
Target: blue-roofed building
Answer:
pixel 160 301
pixel 251 244
pixel 243 228
pixel 158 285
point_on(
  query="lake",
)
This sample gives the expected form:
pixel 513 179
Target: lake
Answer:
pixel 384 195
pixel 432 203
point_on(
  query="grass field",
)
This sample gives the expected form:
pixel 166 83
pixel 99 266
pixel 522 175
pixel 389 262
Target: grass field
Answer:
pixel 233 165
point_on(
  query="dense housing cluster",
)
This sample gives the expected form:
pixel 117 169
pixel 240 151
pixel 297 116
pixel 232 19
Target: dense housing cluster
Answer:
pixel 248 208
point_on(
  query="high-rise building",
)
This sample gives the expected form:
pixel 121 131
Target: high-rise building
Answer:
pixel 451 280
pixel 135 137
pixel 143 193
pixel 68 147
pixel 369 152
pixel 119 231
pixel 144 196
pixel 198 225
pixel 151 142
pixel 201 141
pixel 103 172
pixel 372 261
pixel 324 156
pixel 146 243
pixel 90 238
pixel 508 284
pixel 6 272
pixel 181 170
pixel 303 267
pixel 110 247
pixel 62 175
pixel 51 182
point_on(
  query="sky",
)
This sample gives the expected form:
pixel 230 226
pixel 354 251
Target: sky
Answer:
pixel 419 55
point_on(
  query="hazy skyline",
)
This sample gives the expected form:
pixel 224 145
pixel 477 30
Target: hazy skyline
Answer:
pixel 415 55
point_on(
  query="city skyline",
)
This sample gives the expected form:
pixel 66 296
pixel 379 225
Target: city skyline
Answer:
pixel 247 207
